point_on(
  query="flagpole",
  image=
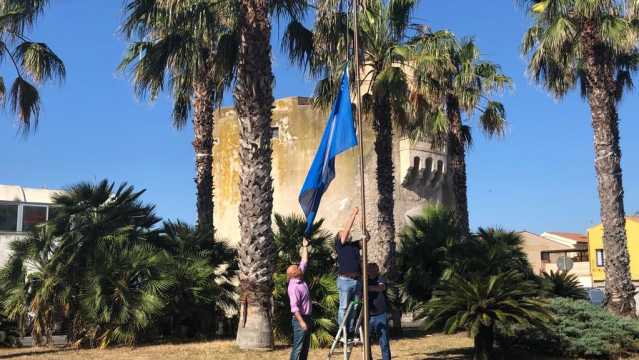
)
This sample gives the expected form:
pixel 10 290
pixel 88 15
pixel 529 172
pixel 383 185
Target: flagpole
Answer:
pixel 360 134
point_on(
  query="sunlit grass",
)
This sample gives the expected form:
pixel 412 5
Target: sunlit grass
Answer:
pixel 417 347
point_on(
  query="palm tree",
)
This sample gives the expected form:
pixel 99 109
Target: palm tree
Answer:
pixel 254 102
pixel 462 84
pixel 480 304
pixel 324 52
pixel 31 60
pixel 192 48
pixel 593 43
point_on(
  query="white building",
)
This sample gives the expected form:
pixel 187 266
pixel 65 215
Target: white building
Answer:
pixel 20 210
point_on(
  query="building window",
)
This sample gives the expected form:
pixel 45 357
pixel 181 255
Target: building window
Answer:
pixel 275 132
pixel 8 217
pixel 32 216
pixel 53 212
pixel 600 257
pixel 545 256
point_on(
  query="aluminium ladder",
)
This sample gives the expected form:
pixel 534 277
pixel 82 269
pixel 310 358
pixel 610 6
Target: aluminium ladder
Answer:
pixel 342 335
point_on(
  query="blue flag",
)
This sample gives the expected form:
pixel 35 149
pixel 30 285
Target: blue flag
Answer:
pixel 339 136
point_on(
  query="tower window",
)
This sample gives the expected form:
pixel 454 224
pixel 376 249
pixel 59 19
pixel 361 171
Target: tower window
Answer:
pixel 416 161
pixel 275 132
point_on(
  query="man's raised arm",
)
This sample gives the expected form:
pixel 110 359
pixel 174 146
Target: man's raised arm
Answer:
pixel 304 262
pixel 345 232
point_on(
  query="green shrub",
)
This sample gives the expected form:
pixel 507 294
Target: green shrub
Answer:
pixel 579 329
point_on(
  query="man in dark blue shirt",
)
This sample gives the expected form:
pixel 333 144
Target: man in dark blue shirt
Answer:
pixel 348 266
pixel 378 309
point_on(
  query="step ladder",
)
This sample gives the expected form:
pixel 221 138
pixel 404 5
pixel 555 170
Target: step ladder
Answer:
pixel 342 338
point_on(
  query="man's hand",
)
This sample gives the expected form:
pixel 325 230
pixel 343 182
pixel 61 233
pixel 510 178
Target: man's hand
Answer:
pixel 367 235
pixel 304 326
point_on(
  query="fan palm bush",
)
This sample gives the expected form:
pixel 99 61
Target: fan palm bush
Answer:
pixel 91 268
pixel 479 304
pixel 426 249
pixel 201 274
pixel 563 284
pixel 9 335
pixel 35 296
pixel 492 251
pixel 320 277
pixel 121 293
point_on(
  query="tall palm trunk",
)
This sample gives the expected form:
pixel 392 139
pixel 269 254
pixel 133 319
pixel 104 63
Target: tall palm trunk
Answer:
pixel 457 156
pixel 385 242
pixel 601 89
pixel 254 101
pixel 385 246
pixel 203 121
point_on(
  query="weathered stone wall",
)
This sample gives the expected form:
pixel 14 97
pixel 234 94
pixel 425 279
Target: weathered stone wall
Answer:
pixel 299 129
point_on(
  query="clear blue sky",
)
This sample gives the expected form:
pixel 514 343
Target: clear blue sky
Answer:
pixel 539 177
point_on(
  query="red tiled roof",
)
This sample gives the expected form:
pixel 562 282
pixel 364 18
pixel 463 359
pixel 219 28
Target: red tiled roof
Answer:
pixel 572 236
pixel 633 218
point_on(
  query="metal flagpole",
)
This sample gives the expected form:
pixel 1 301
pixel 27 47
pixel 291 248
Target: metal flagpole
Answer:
pixel 360 134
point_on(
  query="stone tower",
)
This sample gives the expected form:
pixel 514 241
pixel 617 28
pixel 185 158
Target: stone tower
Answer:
pixel 420 170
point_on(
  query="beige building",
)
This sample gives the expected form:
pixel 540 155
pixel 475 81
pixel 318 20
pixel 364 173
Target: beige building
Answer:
pixel 21 208
pixel 420 170
pixel 551 250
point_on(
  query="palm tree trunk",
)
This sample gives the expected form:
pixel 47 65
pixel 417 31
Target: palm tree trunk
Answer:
pixel 385 244
pixel 601 88
pixel 203 122
pixel 254 101
pixel 457 156
pixel 484 343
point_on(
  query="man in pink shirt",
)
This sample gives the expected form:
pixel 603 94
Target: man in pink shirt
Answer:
pixel 301 306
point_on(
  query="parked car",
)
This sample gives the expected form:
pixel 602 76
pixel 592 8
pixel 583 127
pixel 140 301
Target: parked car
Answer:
pixel 596 296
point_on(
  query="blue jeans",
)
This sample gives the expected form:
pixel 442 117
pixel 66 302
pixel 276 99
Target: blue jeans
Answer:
pixel 301 339
pixel 378 324
pixel 349 289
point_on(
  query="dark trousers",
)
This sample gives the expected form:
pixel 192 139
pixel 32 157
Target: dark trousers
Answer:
pixel 378 324
pixel 301 339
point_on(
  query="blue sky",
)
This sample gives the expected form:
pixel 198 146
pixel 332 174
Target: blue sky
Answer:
pixel 539 177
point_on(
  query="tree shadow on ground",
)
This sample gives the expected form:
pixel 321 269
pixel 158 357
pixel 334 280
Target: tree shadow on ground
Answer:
pixel 452 354
pixel 32 353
